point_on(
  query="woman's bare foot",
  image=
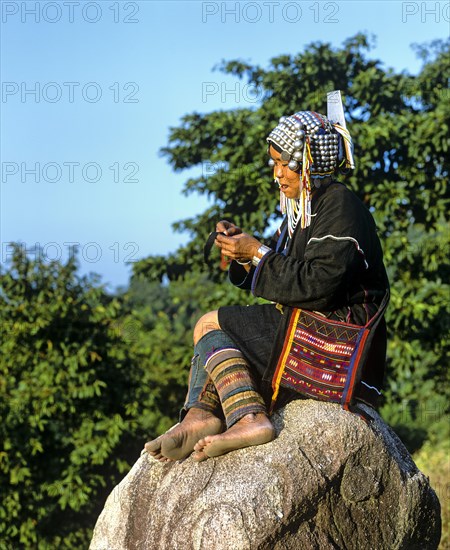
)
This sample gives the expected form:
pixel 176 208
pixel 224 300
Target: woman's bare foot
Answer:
pixel 252 429
pixel 179 441
pixel 153 447
pixel 160 458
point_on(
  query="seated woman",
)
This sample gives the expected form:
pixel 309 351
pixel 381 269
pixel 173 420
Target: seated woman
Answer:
pixel 326 257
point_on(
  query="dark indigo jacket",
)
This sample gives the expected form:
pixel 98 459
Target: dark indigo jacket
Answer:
pixel 334 266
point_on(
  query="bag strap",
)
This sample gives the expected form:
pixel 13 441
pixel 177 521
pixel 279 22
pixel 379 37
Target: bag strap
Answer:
pixel 363 345
pixel 373 321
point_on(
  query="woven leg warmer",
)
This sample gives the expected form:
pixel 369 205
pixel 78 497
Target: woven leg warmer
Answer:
pixel 200 394
pixel 209 400
pixel 235 387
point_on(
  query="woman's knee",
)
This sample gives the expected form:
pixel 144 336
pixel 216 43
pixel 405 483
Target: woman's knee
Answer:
pixel 206 323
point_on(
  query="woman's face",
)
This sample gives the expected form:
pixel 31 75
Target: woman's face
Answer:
pixel 288 179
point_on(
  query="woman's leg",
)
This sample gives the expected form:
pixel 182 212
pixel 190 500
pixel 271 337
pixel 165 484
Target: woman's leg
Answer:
pixel 244 408
pixel 202 412
pixel 232 389
pixel 207 338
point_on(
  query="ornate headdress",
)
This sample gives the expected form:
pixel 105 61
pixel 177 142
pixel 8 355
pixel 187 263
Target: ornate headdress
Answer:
pixel 314 146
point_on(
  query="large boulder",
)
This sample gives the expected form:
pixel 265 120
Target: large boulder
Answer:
pixel 329 480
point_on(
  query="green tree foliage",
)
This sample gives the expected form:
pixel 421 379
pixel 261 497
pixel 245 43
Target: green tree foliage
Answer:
pixel 400 126
pixel 66 384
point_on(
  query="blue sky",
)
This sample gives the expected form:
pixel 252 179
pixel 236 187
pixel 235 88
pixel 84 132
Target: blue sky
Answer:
pixel 90 89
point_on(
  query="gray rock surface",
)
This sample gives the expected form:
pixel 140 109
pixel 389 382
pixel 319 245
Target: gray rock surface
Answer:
pixel 329 480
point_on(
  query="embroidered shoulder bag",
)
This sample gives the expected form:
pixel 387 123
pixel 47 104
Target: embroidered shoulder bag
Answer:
pixel 322 358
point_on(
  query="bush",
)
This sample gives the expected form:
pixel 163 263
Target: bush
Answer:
pixel 67 384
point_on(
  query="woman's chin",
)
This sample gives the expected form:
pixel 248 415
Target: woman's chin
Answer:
pixel 289 194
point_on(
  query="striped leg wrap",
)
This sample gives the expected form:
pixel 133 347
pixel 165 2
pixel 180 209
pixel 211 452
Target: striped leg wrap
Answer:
pixel 198 395
pixel 209 400
pixel 237 390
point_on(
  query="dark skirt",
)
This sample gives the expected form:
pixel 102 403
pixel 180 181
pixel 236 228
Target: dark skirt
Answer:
pixel 253 330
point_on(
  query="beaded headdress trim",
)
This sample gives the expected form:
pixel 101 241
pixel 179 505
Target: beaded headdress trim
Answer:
pixel 316 147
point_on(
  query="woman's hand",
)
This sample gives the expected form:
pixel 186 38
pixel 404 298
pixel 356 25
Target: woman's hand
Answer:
pixel 224 226
pixel 240 246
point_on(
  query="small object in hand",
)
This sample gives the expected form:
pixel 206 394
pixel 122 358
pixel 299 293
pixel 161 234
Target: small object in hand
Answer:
pixel 209 244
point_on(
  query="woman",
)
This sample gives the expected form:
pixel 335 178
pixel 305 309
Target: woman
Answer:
pixel 326 257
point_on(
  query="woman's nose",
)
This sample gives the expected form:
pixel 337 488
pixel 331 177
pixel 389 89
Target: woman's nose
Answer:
pixel 279 171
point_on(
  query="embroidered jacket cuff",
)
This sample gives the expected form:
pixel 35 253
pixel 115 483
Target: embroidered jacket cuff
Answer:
pixel 258 269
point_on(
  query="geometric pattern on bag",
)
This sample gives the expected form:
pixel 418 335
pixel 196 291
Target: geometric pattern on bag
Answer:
pixel 318 359
pixel 322 358
pixel 318 326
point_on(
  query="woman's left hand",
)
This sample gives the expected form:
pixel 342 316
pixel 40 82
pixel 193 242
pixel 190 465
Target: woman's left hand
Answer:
pixel 238 247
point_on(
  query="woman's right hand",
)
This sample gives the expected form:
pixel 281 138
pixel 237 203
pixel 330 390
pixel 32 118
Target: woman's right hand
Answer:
pixel 228 228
